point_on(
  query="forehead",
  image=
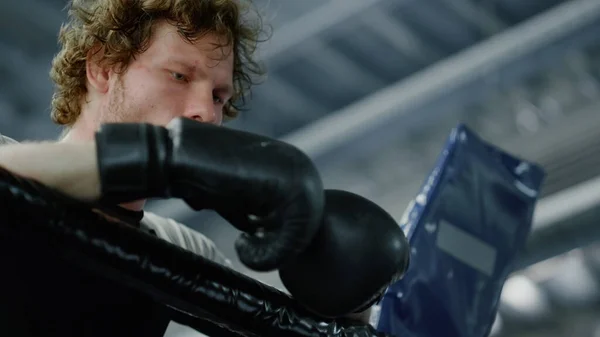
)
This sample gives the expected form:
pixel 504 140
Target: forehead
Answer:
pixel 167 44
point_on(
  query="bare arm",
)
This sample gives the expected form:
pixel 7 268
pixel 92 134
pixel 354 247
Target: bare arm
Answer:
pixel 72 169
pixel 68 167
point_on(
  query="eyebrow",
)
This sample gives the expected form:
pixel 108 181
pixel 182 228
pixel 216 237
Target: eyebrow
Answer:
pixel 183 64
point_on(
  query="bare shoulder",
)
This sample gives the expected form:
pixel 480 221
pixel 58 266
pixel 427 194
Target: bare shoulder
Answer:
pixel 6 140
pixel 184 237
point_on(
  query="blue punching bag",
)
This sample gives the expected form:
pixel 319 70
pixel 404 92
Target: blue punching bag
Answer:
pixel 466 226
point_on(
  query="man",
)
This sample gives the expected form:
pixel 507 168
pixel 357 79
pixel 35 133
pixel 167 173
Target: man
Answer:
pixel 135 62
pixel 162 77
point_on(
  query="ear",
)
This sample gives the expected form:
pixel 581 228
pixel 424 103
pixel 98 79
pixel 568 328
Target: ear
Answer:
pixel 98 75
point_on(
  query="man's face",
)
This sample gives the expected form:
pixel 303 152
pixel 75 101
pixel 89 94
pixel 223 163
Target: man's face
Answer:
pixel 172 78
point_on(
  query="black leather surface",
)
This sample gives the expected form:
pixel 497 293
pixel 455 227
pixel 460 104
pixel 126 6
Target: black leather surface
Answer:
pixel 37 223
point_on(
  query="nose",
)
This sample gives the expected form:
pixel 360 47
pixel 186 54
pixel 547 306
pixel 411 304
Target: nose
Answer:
pixel 201 107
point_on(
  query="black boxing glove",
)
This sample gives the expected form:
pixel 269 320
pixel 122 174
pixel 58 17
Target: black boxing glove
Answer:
pixel 268 183
pixel 357 253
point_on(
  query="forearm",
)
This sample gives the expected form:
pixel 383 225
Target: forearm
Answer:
pixel 68 167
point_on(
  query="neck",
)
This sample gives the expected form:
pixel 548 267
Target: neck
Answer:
pixel 80 131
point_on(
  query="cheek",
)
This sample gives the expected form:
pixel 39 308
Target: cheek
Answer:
pixel 154 102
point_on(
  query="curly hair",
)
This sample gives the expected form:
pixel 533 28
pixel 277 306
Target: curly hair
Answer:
pixel 122 29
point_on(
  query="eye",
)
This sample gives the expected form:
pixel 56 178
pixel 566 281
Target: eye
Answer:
pixel 178 77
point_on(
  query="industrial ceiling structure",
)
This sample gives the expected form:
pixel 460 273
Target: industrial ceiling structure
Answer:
pixel 370 89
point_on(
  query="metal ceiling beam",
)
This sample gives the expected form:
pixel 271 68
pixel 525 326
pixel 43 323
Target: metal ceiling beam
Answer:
pixel 390 105
pixel 476 14
pixel 312 24
pixel 340 67
pixel 401 37
pixel 287 100
pixel 558 229
pixel 568 203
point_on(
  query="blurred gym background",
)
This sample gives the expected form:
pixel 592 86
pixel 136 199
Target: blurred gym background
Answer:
pixel 371 88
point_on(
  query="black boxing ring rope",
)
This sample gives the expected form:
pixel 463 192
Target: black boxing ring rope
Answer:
pixel 211 298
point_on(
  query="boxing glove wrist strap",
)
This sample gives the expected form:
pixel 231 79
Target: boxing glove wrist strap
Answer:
pixel 132 161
